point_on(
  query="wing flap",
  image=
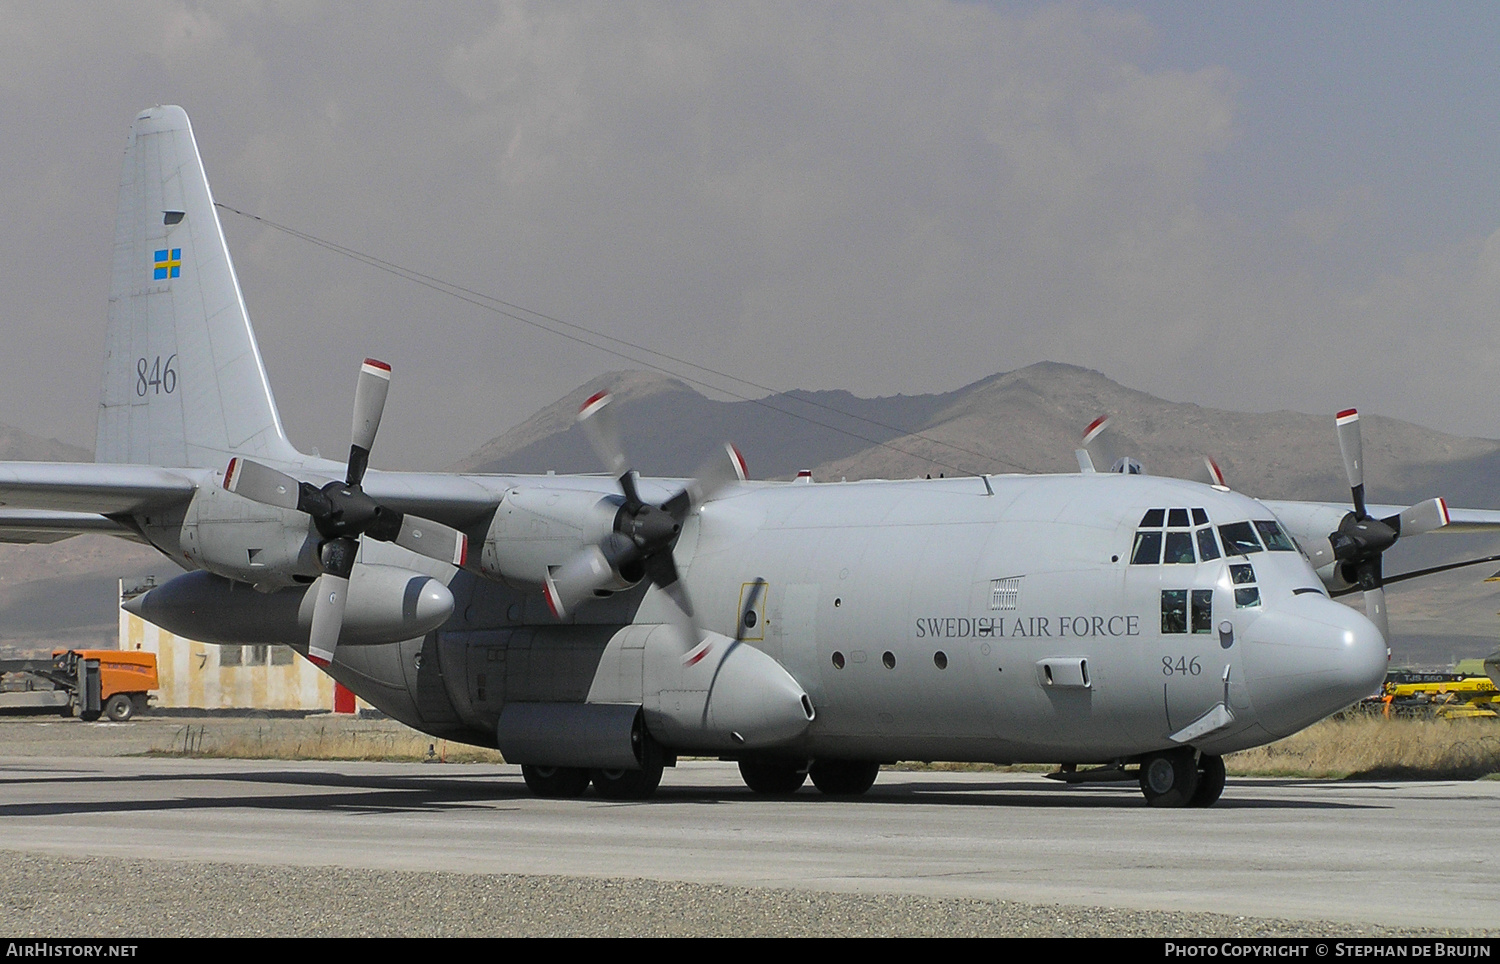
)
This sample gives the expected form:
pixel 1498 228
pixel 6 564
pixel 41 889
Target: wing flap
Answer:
pixel 43 526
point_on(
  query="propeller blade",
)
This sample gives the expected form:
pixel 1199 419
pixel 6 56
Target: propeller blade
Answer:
pixel 1352 450
pixel 717 473
pixel 1375 609
pixel 259 483
pixel 1215 474
pixel 431 539
pixel 328 616
pixel 369 403
pixel 574 581
pixel 695 643
pixel 1423 517
pixel 603 432
pixel 1094 428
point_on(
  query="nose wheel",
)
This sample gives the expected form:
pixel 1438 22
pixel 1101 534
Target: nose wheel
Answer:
pixel 1182 778
pixel 1169 779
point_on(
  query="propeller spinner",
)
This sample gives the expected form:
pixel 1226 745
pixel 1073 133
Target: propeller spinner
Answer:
pixel 644 534
pixel 342 513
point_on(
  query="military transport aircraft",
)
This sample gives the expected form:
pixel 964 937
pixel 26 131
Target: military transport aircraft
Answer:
pixel 595 628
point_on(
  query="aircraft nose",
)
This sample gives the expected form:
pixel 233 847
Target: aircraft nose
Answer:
pixel 1310 657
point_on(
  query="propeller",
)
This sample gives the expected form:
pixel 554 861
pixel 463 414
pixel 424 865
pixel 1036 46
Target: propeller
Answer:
pixel 644 535
pixel 1361 540
pixel 342 513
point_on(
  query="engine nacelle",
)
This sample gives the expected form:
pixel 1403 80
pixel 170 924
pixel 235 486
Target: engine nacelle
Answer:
pixel 537 528
pixel 386 604
pixel 245 541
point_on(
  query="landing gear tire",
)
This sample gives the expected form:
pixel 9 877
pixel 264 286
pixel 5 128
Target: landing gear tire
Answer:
pixel 555 782
pixel 119 708
pixel 633 784
pixel 843 778
pixel 773 779
pixel 1210 781
pixel 627 784
pixel 1169 779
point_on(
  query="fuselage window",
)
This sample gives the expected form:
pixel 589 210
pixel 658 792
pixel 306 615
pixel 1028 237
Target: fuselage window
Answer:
pixel 1147 549
pixel 1239 539
pixel 1177 518
pixel 1275 537
pixel 1203 610
pixel 1180 547
pixel 1174 610
pixel 1208 546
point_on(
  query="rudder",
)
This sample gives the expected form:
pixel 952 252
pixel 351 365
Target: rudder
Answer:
pixel 184 384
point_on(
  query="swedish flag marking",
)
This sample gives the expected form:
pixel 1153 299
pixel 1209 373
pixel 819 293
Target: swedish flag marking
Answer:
pixel 168 267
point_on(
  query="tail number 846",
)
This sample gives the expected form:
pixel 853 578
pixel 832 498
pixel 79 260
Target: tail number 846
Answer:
pixel 155 377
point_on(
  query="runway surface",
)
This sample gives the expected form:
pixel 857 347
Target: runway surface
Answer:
pixel 1401 855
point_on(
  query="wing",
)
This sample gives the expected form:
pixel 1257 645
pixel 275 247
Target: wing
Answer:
pixel 1316 519
pixel 49 501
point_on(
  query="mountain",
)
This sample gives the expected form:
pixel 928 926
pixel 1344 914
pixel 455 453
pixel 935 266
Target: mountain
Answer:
pixel 1028 420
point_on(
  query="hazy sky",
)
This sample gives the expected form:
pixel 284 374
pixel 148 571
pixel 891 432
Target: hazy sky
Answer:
pixel 1245 205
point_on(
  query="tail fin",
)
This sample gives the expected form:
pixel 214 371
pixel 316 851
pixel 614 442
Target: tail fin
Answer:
pixel 184 384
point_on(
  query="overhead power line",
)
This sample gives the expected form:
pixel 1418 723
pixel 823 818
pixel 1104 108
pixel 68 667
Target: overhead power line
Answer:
pixel 583 335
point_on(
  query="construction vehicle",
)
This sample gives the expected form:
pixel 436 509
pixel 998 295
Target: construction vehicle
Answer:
pixel 112 683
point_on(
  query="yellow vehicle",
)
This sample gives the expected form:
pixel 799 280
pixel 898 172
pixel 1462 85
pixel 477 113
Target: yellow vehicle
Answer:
pixel 1442 695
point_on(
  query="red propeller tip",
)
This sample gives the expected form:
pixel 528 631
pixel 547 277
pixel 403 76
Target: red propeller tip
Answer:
pixel 595 402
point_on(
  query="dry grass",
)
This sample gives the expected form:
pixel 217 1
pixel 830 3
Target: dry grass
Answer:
pixel 1373 747
pixel 326 738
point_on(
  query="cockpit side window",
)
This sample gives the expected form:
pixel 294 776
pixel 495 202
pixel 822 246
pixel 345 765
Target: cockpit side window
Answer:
pixel 1239 539
pixel 1275 537
pixel 1154 519
pixel 1208 546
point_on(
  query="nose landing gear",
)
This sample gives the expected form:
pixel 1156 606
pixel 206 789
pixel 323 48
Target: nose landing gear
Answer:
pixel 1182 778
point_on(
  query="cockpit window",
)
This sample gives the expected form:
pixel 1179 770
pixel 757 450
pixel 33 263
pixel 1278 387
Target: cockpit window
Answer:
pixel 1208 546
pixel 1177 518
pixel 1147 549
pixel 1200 518
pixel 1275 537
pixel 1242 575
pixel 1239 539
pixel 1180 547
pixel 1154 519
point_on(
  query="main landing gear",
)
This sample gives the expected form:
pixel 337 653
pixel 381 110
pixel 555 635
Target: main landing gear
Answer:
pixel 1182 778
pixel 835 778
pixel 563 782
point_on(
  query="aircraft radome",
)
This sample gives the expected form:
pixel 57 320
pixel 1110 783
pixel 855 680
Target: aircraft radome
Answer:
pixel 596 628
